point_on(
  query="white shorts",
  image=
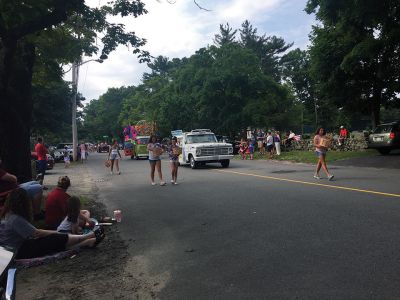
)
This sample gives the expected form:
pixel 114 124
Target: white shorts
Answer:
pixel 83 154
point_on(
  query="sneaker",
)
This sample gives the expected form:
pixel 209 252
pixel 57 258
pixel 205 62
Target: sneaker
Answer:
pixel 330 177
pixel 162 183
pixel 153 183
pixel 111 172
pixel 119 173
pixel 317 176
pixel 175 183
pixel 172 181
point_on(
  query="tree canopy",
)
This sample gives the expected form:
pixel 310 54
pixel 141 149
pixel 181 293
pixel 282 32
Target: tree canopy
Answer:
pixel 354 54
pixel 43 35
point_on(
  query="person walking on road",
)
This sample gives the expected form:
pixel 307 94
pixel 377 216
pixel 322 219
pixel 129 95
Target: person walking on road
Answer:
pixel 41 153
pixel 320 151
pixel 114 157
pixel 83 152
pixel 173 152
pixel 155 151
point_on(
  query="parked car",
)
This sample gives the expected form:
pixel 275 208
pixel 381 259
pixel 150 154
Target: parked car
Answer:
pixel 60 149
pixel 385 137
pixel 103 148
pixel 225 139
pixel 50 160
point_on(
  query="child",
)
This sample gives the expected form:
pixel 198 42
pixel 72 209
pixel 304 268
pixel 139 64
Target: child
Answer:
pixel 251 150
pixel 243 148
pixel 71 222
pixel 66 158
pixel 173 152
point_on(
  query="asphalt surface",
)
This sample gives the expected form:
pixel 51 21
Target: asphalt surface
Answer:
pixel 389 161
pixel 260 229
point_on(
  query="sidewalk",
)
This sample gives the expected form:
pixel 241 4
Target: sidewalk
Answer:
pixel 98 273
pixel 81 183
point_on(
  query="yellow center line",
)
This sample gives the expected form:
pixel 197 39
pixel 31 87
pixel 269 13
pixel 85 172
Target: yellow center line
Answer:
pixel 311 183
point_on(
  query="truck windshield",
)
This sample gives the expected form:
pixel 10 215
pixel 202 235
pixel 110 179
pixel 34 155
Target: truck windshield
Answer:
pixel 143 141
pixel 201 138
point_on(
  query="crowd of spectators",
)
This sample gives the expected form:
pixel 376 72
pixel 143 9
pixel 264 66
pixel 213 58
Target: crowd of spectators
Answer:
pixel 65 222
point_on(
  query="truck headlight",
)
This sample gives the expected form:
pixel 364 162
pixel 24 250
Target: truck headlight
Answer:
pixel 198 152
pixel 230 151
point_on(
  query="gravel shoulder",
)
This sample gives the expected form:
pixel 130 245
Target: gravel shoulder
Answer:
pixel 107 272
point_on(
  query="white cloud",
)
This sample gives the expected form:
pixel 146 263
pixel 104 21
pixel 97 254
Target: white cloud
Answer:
pixel 242 10
pixel 177 30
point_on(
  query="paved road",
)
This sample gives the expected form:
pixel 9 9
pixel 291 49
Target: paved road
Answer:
pixel 261 229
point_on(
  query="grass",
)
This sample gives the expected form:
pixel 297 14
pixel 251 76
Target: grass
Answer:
pixel 84 200
pixel 310 157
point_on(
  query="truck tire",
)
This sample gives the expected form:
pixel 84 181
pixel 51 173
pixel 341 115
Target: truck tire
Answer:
pixel 225 163
pixel 193 163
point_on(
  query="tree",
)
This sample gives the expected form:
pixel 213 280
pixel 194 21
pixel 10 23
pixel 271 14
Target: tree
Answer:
pixel 102 116
pixel 355 54
pixel 226 36
pixel 296 72
pixel 22 24
pixel 268 49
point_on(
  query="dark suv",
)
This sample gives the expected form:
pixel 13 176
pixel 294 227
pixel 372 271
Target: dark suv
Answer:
pixel 385 137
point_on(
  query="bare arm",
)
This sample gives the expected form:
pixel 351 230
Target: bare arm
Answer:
pixel 315 142
pixel 9 178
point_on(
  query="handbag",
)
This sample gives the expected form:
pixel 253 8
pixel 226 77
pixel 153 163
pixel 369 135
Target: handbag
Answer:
pixel 107 163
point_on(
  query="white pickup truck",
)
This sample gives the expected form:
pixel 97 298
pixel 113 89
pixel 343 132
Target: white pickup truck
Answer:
pixel 200 146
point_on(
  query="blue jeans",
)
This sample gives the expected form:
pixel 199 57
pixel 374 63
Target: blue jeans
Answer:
pixel 42 166
pixel 32 188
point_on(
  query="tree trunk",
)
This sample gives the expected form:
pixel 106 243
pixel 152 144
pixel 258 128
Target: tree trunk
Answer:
pixel 376 107
pixel 16 63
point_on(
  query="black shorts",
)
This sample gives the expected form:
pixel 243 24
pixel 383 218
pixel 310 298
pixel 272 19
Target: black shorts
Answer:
pixel 270 147
pixel 43 246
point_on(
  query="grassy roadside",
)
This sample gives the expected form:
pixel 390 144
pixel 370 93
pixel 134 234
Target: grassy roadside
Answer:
pixel 309 156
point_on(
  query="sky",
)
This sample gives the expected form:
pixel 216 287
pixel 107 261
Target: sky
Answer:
pixel 177 30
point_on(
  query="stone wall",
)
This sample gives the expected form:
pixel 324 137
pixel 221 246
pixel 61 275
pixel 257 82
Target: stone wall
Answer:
pixel 351 144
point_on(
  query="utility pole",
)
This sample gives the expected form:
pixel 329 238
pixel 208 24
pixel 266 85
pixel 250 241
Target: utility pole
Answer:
pixel 75 78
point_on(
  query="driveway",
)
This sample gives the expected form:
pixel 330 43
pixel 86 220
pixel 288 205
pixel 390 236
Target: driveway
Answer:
pixel 390 161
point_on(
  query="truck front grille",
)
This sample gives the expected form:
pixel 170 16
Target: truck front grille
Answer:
pixel 214 151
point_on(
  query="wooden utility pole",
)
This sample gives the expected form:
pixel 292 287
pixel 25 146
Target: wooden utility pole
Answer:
pixel 75 78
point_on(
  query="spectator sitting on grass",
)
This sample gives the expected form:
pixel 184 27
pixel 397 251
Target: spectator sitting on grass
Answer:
pixel 57 203
pixel 17 233
pixel 9 182
pixel 70 224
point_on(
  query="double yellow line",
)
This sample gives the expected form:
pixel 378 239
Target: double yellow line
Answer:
pixel 311 183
